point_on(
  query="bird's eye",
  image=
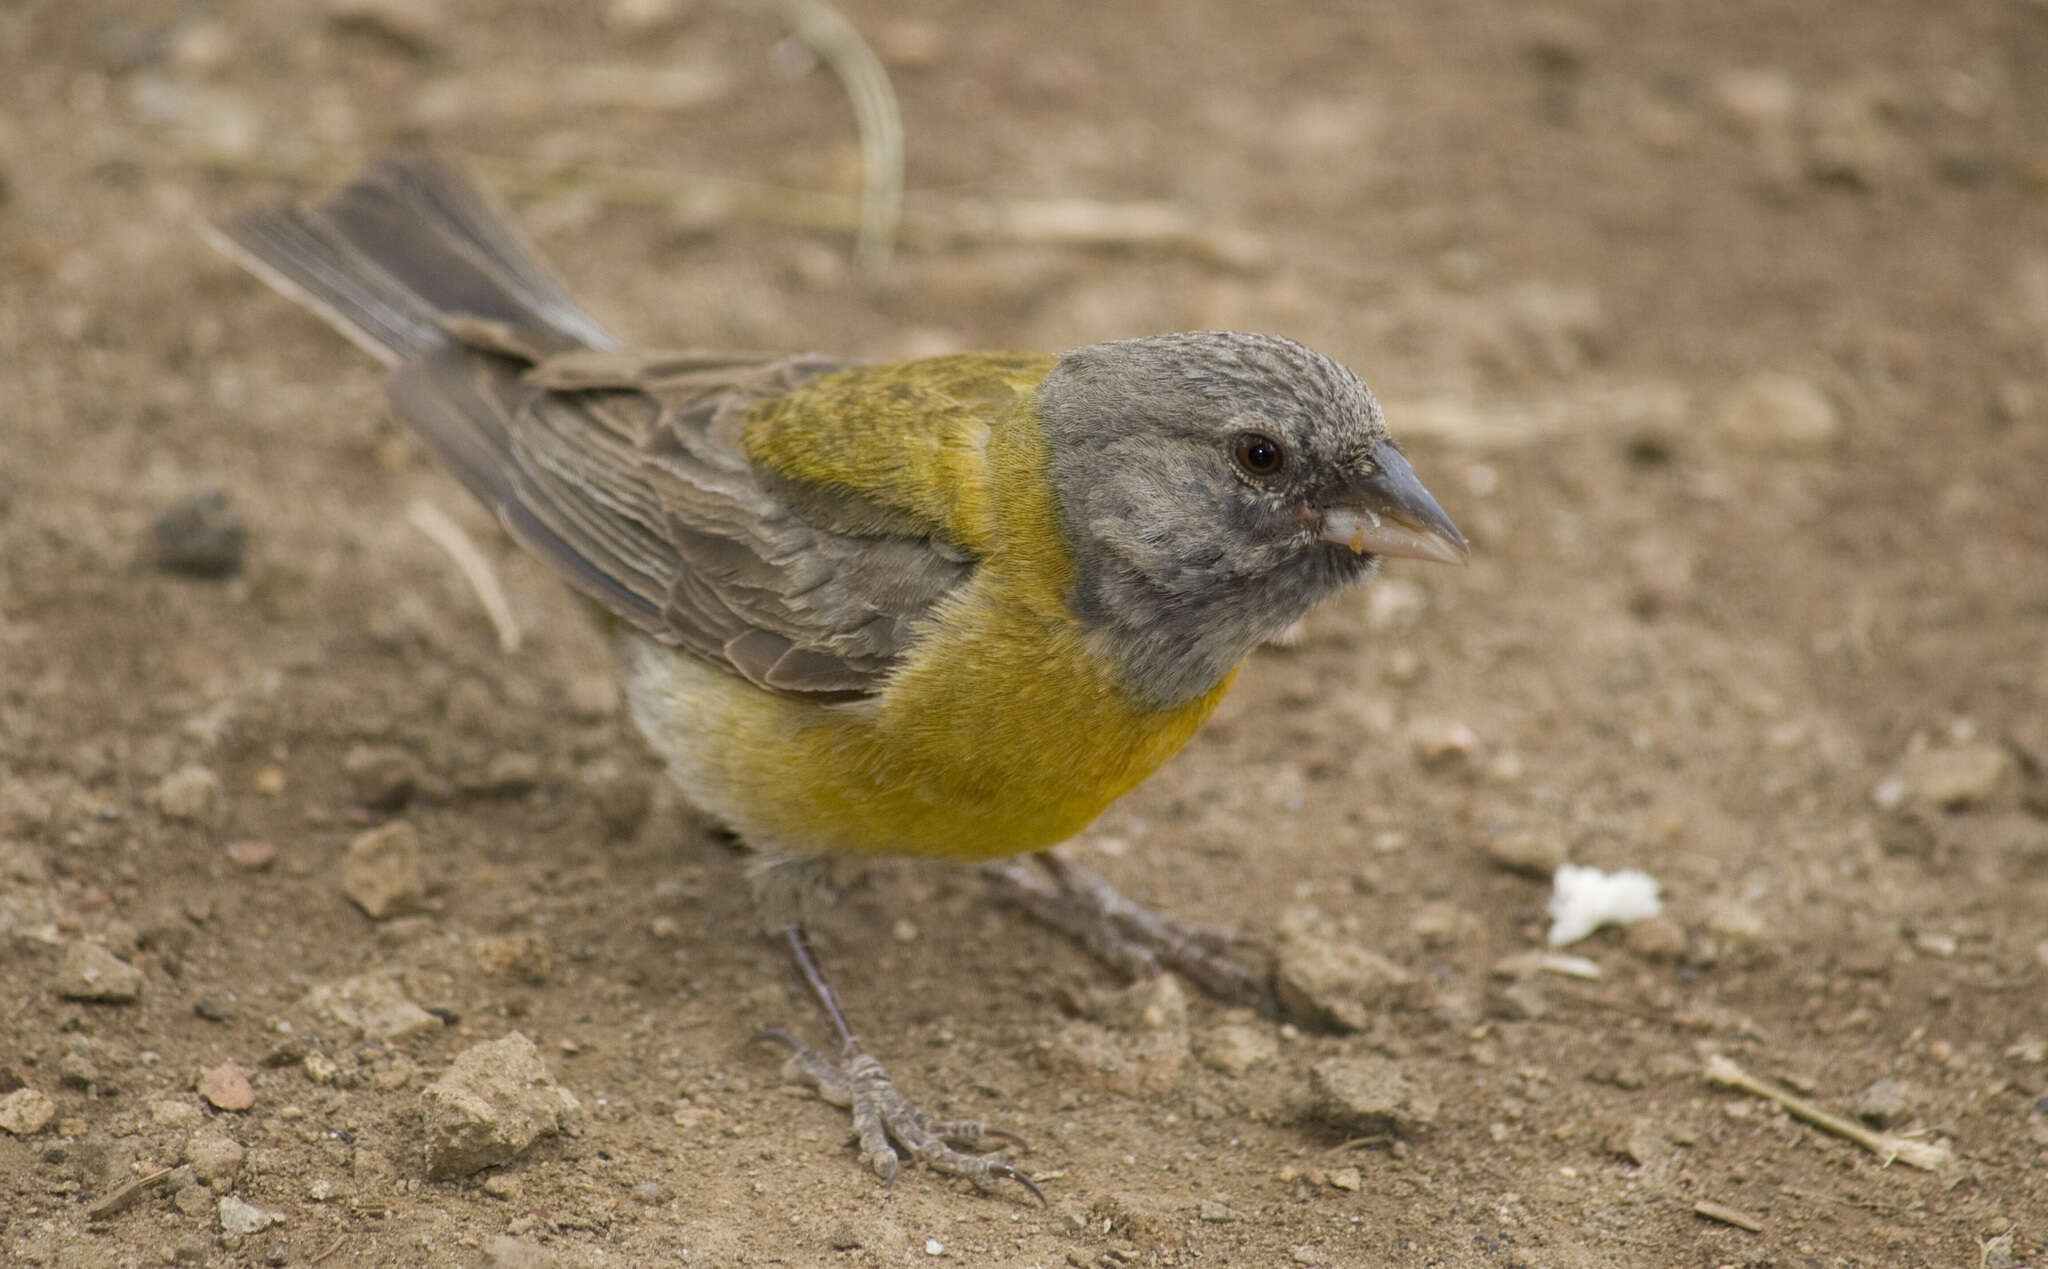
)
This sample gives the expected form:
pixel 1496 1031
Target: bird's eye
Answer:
pixel 1257 453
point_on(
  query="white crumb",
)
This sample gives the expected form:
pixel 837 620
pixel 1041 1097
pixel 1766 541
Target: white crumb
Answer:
pixel 1584 899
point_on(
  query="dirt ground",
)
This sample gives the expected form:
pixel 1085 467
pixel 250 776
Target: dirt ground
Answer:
pixel 1721 329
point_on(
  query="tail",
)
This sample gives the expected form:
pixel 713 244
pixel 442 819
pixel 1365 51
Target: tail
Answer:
pixel 406 244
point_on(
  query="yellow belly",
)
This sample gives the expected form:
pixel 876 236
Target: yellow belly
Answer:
pixel 1003 734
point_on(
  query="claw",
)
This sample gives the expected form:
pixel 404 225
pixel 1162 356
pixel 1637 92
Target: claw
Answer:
pixel 883 1119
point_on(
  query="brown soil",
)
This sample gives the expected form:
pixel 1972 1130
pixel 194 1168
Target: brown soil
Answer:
pixel 1722 329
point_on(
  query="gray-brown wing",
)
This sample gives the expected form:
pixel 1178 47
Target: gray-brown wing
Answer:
pixel 625 472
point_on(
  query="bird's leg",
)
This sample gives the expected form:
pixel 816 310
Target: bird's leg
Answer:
pixel 1126 935
pixel 881 1114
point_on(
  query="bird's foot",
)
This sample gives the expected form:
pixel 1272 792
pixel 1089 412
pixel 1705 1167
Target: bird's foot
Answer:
pixel 1126 935
pixel 885 1121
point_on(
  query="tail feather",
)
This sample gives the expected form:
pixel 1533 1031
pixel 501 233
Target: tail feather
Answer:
pixel 387 257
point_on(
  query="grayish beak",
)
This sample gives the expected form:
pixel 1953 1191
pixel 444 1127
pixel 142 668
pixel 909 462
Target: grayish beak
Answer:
pixel 1390 513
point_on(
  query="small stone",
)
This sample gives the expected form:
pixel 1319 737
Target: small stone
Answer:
pixel 252 856
pixel 1639 1143
pixel 227 1088
pixel 382 778
pixel 1369 1096
pixel 1236 1047
pixel 504 1187
pixel 1348 1179
pixel 1335 985
pixel 1958 777
pixel 381 873
pixel 237 1217
pixel 495 1100
pixel 320 1068
pixel 1215 1213
pixel 26 1112
pixel 1523 1001
pixel 373 1005
pixel 1781 413
pixel 216 1158
pixel 1305 1255
pixel 189 794
pixel 91 972
pixel 199 536
pixel 76 1070
pixel 1440 744
pixel 650 1193
pixel 524 957
pixel 1657 938
pixel 1530 852
pixel 1885 1103
pixel 1733 919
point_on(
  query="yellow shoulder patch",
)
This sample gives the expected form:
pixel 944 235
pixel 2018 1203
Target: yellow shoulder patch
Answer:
pixel 912 436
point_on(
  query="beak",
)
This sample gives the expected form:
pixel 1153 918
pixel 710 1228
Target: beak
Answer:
pixel 1390 513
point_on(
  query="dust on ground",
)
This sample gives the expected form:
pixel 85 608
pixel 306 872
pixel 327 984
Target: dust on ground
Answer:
pixel 1722 330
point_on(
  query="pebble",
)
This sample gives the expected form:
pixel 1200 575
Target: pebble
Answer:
pixel 1350 1180
pixel 1371 1095
pixel 1957 777
pixel 227 1088
pixel 1657 938
pixel 380 777
pixel 76 1070
pixel 1441 744
pixel 1528 851
pixel 1779 412
pixel 26 1112
pixel 381 872
pixel 495 1100
pixel 189 794
pixel 91 972
pixel 1234 1048
pixel 1335 985
pixel 1215 1213
pixel 238 1217
pixel 524 957
pixel 373 1005
pixel 1884 1103
pixel 504 1187
pixel 252 856
pixel 199 536
pixel 215 1157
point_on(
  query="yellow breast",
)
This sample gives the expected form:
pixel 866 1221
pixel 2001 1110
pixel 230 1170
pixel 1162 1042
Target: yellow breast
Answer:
pixel 1002 733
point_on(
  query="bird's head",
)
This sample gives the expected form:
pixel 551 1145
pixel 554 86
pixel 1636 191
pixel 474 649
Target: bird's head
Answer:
pixel 1213 486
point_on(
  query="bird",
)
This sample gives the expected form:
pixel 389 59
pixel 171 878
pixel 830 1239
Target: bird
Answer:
pixel 948 608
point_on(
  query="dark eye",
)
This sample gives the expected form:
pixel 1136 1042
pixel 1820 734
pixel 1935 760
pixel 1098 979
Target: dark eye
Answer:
pixel 1257 453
